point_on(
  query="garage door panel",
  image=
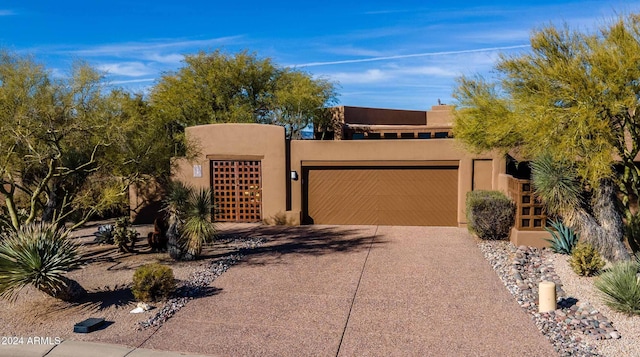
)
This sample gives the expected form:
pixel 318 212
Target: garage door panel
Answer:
pixel 389 196
pixel 350 216
pixel 340 208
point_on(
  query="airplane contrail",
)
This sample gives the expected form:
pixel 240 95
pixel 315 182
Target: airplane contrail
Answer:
pixel 426 54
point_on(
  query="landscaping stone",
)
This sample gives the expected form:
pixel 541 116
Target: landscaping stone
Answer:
pixel 200 280
pixel 521 269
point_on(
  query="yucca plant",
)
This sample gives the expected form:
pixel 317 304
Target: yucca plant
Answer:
pixel 563 238
pixel 174 208
pixel 198 228
pixel 592 210
pixel 189 216
pixel 620 287
pixel 39 254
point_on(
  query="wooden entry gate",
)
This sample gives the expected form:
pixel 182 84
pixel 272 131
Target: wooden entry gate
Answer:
pixel 237 190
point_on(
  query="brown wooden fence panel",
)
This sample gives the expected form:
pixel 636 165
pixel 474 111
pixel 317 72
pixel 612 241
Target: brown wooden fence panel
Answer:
pixel 530 213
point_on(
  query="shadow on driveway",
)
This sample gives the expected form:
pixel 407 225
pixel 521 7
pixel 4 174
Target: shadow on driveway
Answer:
pixel 301 240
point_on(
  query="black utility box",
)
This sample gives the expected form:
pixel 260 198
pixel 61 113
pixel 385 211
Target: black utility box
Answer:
pixel 88 325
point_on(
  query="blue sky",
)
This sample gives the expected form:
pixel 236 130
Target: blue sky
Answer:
pixel 400 54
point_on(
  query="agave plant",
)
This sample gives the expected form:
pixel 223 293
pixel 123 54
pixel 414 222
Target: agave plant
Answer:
pixel 104 234
pixel 563 238
pixel 39 254
pixel 198 228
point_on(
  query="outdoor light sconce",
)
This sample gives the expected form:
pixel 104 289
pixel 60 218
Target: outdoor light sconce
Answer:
pixel 294 175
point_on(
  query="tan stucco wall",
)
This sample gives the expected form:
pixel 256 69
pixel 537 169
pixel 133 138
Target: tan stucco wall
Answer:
pixel 534 238
pixel 240 142
pixel 440 115
pixel 267 144
pixel 531 238
pixel 306 152
pixel 145 200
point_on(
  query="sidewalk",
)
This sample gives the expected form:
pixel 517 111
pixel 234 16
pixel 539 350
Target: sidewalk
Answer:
pixel 84 349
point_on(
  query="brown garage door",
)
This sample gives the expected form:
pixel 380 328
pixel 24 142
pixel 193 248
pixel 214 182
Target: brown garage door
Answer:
pixel 410 196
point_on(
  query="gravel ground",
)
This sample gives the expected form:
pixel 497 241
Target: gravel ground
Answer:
pixel 107 275
pixel 198 283
pixel 582 325
pixel 629 327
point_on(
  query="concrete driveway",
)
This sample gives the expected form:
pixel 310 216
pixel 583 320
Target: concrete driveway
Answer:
pixel 356 291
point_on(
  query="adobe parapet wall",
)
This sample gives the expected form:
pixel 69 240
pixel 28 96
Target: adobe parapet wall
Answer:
pixel 396 152
pixel 439 115
pixel 266 143
pixel 250 142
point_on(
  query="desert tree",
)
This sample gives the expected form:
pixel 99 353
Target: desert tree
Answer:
pixel 300 100
pixel 217 87
pixel 69 148
pixel 572 99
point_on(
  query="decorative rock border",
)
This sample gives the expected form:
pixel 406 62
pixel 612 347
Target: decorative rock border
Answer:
pixel 568 328
pixel 199 281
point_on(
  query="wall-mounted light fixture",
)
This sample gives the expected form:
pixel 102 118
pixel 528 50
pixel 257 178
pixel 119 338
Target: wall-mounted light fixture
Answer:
pixel 294 175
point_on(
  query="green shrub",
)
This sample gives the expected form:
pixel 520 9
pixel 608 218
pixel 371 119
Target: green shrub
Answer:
pixel 490 214
pixel 39 255
pixel 585 259
pixel 124 236
pixel 153 282
pixel 620 287
pixel 564 239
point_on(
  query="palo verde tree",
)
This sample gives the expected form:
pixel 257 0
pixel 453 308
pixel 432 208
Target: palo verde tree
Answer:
pixel 68 150
pixel 571 104
pixel 221 88
pixel 300 100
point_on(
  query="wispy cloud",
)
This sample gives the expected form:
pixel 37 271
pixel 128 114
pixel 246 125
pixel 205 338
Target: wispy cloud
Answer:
pixel 131 81
pixel 120 49
pixel 7 13
pixel 350 50
pixel 388 11
pixel 496 36
pixel 171 58
pixel 427 71
pixel 368 76
pixel 391 73
pixel 413 55
pixel 128 69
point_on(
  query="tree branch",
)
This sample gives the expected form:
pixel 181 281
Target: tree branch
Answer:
pixel 43 183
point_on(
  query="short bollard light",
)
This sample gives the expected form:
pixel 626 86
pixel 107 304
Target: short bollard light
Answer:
pixel 547 296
